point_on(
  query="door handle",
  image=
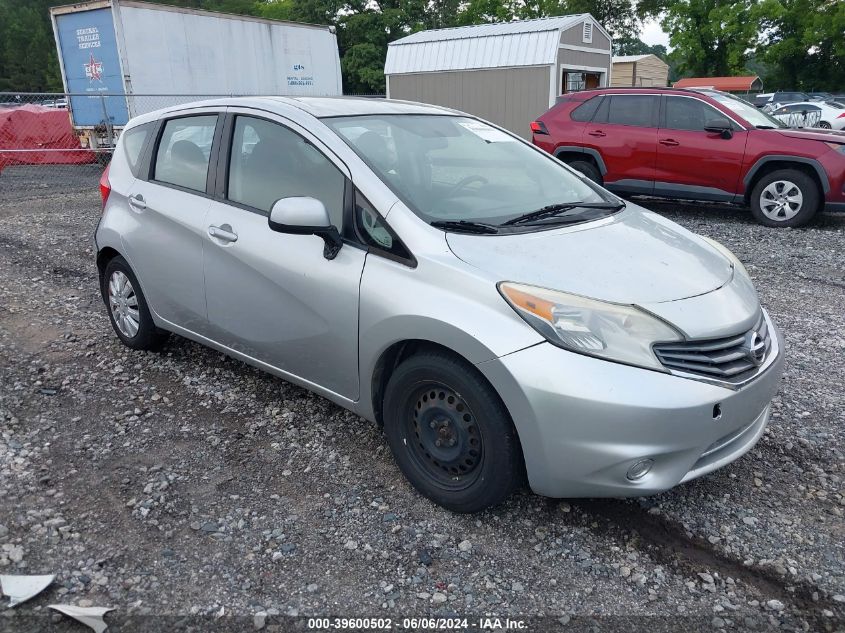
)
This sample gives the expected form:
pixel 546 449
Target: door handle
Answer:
pixel 669 142
pixel 596 133
pixel 223 233
pixel 137 202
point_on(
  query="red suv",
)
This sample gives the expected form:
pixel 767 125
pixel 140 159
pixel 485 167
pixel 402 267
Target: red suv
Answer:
pixel 697 144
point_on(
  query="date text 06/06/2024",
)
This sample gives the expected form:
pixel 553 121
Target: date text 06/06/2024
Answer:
pixel 486 623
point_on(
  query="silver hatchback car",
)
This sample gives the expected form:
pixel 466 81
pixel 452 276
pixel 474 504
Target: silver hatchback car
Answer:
pixel 498 314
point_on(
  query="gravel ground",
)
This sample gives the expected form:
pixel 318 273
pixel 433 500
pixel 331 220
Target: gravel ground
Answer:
pixel 184 483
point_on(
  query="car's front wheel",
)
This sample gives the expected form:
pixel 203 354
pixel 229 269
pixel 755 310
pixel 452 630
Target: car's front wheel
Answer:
pixel 128 310
pixel 785 198
pixel 450 433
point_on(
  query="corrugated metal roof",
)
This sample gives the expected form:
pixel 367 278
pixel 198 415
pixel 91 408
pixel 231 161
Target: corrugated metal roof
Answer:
pixel 728 84
pixel 623 59
pixel 521 43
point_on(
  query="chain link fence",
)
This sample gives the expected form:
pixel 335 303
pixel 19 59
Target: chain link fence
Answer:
pixel 807 117
pixel 64 139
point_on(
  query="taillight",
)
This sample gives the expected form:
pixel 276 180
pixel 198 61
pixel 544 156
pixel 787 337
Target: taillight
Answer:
pixel 841 116
pixel 105 187
pixel 538 127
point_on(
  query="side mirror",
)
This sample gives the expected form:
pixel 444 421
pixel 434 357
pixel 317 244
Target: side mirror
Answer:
pixel 305 216
pixel 721 127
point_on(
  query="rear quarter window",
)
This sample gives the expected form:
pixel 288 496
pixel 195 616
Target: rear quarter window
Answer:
pixel 586 110
pixel 134 141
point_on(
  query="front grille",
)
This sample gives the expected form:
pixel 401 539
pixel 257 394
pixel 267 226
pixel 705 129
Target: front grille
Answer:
pixel 731 358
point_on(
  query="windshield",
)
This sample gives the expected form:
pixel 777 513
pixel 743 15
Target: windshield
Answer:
pixel 750 113
pixel 453 169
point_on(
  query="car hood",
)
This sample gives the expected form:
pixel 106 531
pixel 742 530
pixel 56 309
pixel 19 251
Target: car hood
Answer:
pixel 838 137
pixel 633 257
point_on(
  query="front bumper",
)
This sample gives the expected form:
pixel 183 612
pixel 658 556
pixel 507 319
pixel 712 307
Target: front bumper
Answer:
pixel 584 422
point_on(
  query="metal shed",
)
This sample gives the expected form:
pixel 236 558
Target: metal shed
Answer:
pixel 750 83
pixel 508 73
pixel 639 70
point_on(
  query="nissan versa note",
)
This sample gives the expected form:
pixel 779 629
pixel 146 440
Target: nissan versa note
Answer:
pixel 498 313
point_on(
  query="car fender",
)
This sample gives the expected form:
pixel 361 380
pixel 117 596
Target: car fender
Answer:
pixel 786 158
pixel 562 149
pixel 436 304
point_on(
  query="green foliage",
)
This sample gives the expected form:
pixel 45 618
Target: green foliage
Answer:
pixel 791 43
pixel 805 43
pixel 711 38
pixel 28 61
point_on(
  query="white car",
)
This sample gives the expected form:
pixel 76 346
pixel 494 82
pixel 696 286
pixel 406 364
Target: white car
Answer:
pixel 827 115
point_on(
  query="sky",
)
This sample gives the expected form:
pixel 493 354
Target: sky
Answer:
pixel 653 34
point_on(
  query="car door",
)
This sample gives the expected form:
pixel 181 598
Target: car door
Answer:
pixel 165 234
pixel 275 297
pixel 694 163
pixel 624 132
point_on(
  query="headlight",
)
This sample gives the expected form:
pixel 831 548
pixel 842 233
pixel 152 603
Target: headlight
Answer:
pixel 612 331
pixel 738 267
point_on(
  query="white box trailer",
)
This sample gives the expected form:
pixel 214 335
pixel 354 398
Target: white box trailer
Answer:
pixel 113 51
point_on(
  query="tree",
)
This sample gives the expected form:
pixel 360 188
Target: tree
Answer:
pixel 28 61
pixel 803 44
pixel 635 46
pixel 710 38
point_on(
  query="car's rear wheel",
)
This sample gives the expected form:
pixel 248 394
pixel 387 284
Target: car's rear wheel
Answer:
pixel 786 197
pixel 824 125
pixel 587 168
pixel 450 433
pixel 128 311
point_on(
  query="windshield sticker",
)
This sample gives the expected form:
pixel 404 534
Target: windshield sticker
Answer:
pixel 487 132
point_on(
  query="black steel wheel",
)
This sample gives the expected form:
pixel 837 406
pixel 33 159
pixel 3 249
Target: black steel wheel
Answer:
pixel 450 433
pixel 447 441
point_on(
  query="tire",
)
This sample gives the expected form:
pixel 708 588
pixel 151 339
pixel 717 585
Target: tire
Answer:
pixel 824 125
pixel 128 311
pixel 588 169
pixel 478 462
pixel 790 187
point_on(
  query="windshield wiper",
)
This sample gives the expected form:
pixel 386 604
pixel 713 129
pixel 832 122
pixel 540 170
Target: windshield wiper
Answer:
pixel 767 127
pixel 557 209
pixel 464 226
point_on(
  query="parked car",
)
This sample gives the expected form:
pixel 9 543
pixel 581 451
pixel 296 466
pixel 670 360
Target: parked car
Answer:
pixel 827 115
pixel 59 104
pixel 776 99
pixel 700 145
pixel 498 313
pixel 821 96
pixel 762 99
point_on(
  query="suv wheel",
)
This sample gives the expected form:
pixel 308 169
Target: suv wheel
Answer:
pixel 588 169
pixel 128 311
pixel 786 197
pixel 450 433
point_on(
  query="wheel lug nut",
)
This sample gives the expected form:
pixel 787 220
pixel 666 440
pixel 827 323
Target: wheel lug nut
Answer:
pixel 432 424
pixel 437 443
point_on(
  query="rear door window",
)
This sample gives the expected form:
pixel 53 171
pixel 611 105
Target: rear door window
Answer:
pixel 184 151
pixel 634 110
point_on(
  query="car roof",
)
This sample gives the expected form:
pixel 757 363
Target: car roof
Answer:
pixel 655 90
pixel 319 107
